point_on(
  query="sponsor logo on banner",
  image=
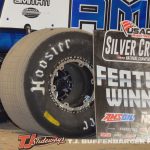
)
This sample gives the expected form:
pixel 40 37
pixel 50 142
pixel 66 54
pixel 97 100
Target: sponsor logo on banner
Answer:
pixel 129 28
pixel 144 130
pixel 117 135
pixel 105 135
pixel 29 141
pixel 125 129
pixel 130 136
pixel 134 48
pixel 31 12
pixel 118 117
pixel 145 118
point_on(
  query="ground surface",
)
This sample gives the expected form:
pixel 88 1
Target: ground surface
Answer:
pixel 9 141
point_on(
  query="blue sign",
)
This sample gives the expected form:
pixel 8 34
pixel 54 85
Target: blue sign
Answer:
pixel 107 14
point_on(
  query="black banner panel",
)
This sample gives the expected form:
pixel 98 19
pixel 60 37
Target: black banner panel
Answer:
pixel 122 85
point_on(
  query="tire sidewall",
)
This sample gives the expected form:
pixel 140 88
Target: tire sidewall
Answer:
pixel 43 62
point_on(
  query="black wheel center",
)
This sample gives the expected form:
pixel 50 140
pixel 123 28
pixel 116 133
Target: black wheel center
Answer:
pixel 72 85
pixel 63 82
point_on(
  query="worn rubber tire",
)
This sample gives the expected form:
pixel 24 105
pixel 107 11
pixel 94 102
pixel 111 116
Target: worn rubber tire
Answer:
pixel 36 111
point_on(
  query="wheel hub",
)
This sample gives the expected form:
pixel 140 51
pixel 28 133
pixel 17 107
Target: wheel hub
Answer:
pixel 63 84
pixel 72 85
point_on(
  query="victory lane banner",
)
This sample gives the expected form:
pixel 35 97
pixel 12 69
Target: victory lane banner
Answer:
pixel 122 84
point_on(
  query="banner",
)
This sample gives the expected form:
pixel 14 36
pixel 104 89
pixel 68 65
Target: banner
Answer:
pixel 122 83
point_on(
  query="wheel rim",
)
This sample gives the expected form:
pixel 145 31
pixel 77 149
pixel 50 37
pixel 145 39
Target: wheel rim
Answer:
pixel 62 86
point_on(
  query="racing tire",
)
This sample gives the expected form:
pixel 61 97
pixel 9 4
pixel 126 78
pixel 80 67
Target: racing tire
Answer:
pixel 46 83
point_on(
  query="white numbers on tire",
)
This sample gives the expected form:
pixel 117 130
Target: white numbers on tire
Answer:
pixel 88 124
